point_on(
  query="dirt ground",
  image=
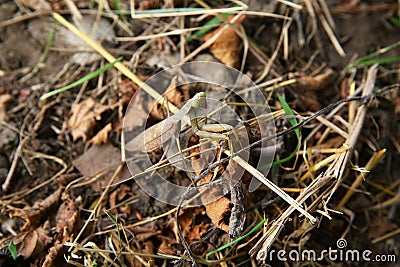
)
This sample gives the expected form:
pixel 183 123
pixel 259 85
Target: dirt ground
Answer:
pixel 59 156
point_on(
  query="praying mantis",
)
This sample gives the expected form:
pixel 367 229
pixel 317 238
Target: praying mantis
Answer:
pixel 191 113
pixel 156 136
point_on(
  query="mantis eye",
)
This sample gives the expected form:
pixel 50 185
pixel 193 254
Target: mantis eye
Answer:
pixel 196 104
pixel 200 102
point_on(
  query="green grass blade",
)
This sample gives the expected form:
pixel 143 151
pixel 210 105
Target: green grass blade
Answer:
pixel 395 21
pixel 49 42
pixel 293 122
pixel 214 22
pixel 158 11
pixel 255 228
pixel 384 60
pixel 289 112
pixel 13 250
pixel 112 218
pixel 369 59
pixel 80 81
pixel 115 221
pixel 43 57
pixel 117 4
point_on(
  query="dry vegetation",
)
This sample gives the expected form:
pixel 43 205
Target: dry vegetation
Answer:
pixel 329 71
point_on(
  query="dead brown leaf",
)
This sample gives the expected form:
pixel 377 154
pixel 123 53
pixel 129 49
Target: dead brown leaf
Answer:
pixel 218 211
pixel 227 46
pixel 84 117
pixel 122 192
pixel 127 89
pixel 186 220
pixel 34 214
pixel 174 95
pixel 102 136
pixel 318 82
pixel 4 100
pixel 101 160
pixel 37 4
pixel 67 219
pixel 165 247
pixel 52 255
pixel 148 4
pixel 33 243
pixel 310 101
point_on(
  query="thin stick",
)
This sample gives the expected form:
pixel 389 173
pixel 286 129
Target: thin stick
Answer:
pixel 124 70
pixel 370 164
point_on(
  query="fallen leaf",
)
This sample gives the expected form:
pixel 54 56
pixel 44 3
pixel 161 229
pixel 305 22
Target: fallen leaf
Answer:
pixel 35 213
pixel 126 91
pixel 67 219
pixel 84 117
pixel 148 4
pixel 37 4
pixel 117 196
pixel 52 255
pixel 227 46
pixel 187 223
pixel 100 160
pixel 310 101
pixel 317 82
pixel 219 212
pixel 102 136
pixel 4 100
pixel 33 243
pixel 174 95
pixel 165 247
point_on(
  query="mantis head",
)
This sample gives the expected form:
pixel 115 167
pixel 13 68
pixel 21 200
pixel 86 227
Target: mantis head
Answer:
pixel 200 100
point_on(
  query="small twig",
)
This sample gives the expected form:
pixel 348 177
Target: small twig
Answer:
pixel 34 126
pixel 178 226
pixel 305 121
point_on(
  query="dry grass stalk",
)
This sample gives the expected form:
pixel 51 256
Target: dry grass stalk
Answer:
pixel 335 171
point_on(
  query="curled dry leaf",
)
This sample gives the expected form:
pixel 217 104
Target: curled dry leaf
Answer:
pixel 37 4
pixel 67 223
pixel 219 210
pixel 117 196
pixel 227 214
pixel 174 95
pixel 187 221
pixel 126 91
pixel 84 117
pixel 317 82
pixel 67 219
pixel 227 46
pixel 52 255
pixel 34 214
pixel 102 136
pixel 33 243
pixel 4 100
pixel 149 4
